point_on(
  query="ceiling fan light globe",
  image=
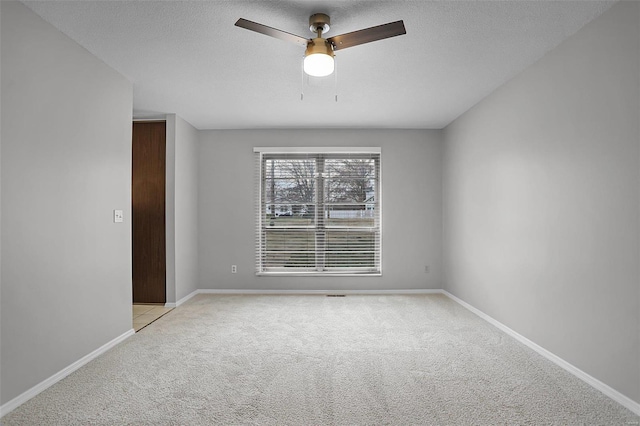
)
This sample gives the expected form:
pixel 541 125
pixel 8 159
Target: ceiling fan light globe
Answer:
pixel 318 65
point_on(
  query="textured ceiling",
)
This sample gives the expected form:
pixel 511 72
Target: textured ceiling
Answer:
pixel 188 58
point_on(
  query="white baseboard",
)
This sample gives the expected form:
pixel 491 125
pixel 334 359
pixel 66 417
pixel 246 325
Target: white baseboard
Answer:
pixel 187 297
pixel 170 305
pixel 321 292
pixel 597 384
pixel 30 393
pixel 301 292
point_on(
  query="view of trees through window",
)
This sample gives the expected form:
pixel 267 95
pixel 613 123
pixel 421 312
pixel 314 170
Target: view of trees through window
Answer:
pixel 320 213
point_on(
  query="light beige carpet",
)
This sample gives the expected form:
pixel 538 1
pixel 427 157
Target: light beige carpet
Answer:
pixel 312 360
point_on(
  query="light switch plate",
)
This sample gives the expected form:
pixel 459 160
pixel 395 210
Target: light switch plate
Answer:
pixel 118 216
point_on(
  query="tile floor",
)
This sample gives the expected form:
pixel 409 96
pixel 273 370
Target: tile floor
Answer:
pixel 143 315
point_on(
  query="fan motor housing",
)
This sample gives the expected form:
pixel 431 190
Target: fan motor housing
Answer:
pixel 319 45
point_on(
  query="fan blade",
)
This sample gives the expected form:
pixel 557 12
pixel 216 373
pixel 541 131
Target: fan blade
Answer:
pixel 367 35
pixel 263 29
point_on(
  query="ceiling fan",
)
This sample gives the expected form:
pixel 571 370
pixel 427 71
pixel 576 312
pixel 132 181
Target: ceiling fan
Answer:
pixel 318 58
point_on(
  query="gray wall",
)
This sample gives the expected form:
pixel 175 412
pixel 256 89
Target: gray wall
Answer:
pixel 186 208
pixel 411 212
pixel 66 164
pixel 0 217
pixel 170 209
pixel 541 205
pixel 181 208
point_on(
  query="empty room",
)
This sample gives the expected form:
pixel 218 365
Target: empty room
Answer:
pixel 320 212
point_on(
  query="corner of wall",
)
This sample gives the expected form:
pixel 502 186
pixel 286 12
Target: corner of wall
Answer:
pixel 170 208
pixel 185 206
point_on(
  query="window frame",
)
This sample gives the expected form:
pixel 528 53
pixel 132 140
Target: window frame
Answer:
pixel 319 268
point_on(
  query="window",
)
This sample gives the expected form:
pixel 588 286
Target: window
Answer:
pixel 318 210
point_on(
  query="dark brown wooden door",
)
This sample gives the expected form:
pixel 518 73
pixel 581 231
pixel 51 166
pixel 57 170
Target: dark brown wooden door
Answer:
pixel 148 211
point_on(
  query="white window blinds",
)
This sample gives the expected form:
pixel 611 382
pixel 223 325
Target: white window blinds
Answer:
pixel 318 210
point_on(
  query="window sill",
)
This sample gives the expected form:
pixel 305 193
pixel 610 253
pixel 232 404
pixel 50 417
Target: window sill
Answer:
pixel 318 274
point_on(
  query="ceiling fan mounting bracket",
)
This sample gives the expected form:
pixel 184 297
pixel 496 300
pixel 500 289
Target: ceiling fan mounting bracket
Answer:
pixel 319 22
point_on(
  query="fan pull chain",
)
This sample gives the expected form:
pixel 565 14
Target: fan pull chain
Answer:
pixel 302 81
pixel 335 77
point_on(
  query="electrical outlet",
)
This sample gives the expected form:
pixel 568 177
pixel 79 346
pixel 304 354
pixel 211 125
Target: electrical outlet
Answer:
pixel 118 216
pixel 426 269
pixel 234 269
